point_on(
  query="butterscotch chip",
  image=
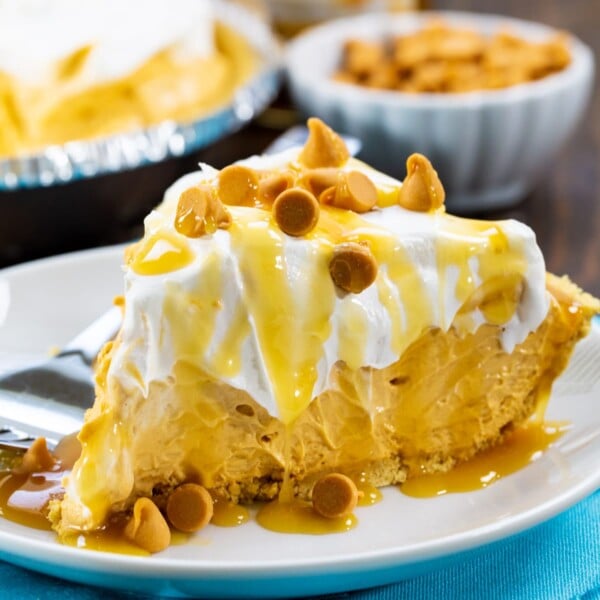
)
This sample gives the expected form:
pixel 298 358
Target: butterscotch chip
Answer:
pixel 189 507
pixel 36 459
pixel 191 210
pixel 361 57
pixel 318 180
pixel 328 196
pixel 360 190
pixel 217 217
pixel 409 52
pixel 422 189
pixel 385 76
pixel 238 186
pixel 459 44
pixel 296 211
pixel 199 212
pixel 272 185
pixel 147 528
pixel 431 77
pixel 355 191
pixel 324 147
pixel 353 267
pixel 334 496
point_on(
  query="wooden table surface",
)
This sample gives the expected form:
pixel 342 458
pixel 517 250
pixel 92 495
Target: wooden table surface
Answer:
pixel 563 210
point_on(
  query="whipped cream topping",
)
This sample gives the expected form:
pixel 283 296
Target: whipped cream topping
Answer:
pixel 256 309
pixel 36 34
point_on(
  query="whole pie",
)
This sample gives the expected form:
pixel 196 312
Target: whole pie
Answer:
pixel 71 70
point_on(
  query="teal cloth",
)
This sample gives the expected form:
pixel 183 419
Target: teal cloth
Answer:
pixel 557 560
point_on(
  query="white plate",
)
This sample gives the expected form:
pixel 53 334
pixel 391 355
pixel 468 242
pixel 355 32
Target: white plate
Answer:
pixel 48 301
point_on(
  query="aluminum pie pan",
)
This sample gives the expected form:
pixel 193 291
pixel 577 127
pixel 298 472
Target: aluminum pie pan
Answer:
pixel 84 159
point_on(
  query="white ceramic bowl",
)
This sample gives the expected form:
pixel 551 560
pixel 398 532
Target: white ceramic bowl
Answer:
pixel 488 147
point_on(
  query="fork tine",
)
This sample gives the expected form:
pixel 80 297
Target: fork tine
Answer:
pixel 8 434
pixel 13 439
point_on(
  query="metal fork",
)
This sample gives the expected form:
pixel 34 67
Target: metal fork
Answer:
pixel 49 398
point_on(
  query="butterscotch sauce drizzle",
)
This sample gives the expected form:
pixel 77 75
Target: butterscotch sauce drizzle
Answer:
pixel 521 447
pixel 161 253
pixel 299 517
pixel 543 397
pixel 368 494
pixel 495 280
pixel 24 498
pixel 228 355
pixel 110 538
pixel 113 440
pixel 353 340
pixel 408 297
pixel 291 331
pixel 196 311
pixel 389 296
pixel 228 514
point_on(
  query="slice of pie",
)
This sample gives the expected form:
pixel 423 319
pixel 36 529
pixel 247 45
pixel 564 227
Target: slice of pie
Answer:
pixel 301 314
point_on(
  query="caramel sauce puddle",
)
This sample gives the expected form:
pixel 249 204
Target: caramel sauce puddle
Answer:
pixel 521 447
pixel 368 494
pixel 24 498
pixel 228 514
pixel 288 514
pixel 296 516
